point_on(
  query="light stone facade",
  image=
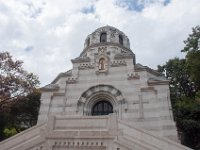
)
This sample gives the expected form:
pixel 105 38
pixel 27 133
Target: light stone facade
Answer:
pixel 106 71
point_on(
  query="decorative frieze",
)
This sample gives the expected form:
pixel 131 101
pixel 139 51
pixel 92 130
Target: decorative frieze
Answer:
pixel 117 63
pixel 124 55
pixel 72 80
pixel 86 66
pixel 133 76
pixel 97 145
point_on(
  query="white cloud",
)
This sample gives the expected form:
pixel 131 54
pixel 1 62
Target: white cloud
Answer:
pixel 48 34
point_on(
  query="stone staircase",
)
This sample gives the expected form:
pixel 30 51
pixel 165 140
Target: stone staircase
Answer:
pixel 25 140
pixel 87 133
pixel 140 139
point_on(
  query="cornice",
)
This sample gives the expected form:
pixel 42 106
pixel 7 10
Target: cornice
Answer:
pixel 153 81
pixel 50 87
pixel 124 55
pixel 145 68
pixel 63 74
pixel 80 60
pixel 105 44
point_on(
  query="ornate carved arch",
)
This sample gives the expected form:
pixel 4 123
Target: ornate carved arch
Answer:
pixel 95 94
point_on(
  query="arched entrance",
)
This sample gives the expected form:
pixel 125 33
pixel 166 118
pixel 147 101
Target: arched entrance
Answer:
pixel 101 100
pixel 102 108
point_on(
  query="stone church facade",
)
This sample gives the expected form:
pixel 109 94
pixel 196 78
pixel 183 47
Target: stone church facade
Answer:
pixel 107 101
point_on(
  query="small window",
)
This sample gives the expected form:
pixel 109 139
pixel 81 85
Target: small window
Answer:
pixel 120 39
pixel 103 38
pixel 88 42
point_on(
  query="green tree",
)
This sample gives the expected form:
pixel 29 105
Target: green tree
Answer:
pixel 184 76
pixel 24 113
pixel 192 50
pixel 15 82
pixel 187 113
pixel 180 81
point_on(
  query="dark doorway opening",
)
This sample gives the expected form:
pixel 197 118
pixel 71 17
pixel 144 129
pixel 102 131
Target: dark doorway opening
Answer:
pixel 102 108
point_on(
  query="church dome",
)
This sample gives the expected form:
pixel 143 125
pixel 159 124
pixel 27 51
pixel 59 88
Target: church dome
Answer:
pixel 107 35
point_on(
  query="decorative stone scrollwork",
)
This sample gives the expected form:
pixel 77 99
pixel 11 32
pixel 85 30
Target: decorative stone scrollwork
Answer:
pixel 102 49
pixel 117 63
pixel 133 76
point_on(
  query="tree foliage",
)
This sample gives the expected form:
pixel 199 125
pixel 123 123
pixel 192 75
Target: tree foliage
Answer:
pixel 19 98
pixel 192 42
pixel 192 50
pixel 187 113
pixel 180 82
pixel 193 65
pixel 15 82
pixel 24 113
pixel 184 75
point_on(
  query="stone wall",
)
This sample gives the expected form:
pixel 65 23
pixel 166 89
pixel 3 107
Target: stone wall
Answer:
pixel 139 95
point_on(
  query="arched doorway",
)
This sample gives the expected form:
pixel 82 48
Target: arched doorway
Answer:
pixel 101 100
pixel 102 108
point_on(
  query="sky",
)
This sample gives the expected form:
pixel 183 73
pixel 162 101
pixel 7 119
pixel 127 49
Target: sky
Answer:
pixel 47 34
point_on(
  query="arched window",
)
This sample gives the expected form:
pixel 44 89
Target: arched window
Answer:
pixel 103 37
pixel 102 108
pixel 120 39
pixel 102 63
pixel 88 42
